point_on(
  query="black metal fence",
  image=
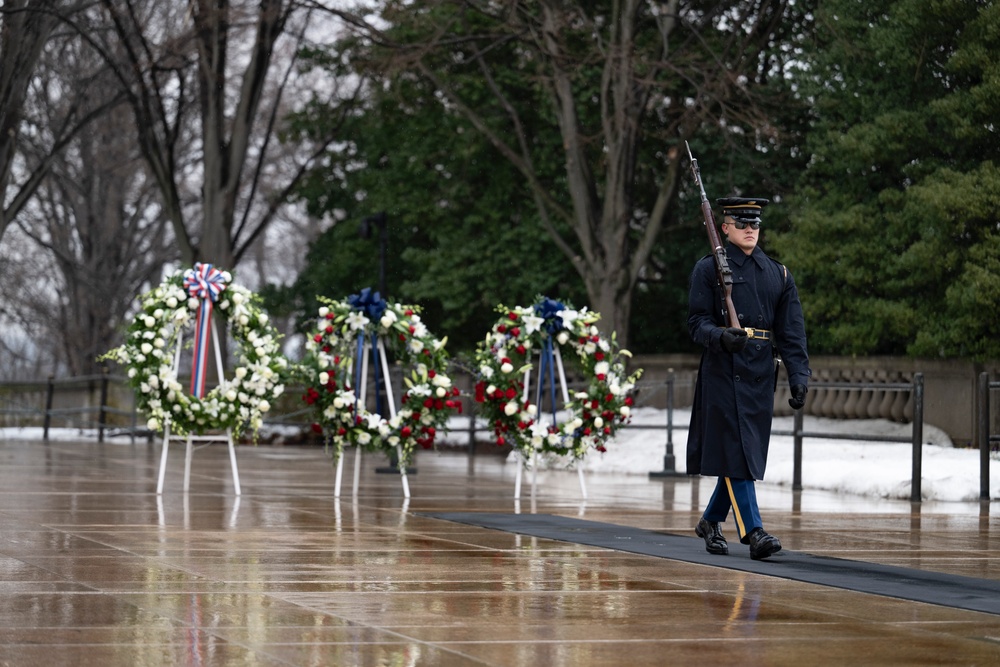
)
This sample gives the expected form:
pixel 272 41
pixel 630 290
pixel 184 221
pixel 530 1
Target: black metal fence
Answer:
pixel 105 402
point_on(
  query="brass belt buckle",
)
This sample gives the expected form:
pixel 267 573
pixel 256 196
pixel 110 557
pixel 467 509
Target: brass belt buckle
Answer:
pixel 751 332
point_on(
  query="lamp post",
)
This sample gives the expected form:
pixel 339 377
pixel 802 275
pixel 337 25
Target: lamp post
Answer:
pixel 379 221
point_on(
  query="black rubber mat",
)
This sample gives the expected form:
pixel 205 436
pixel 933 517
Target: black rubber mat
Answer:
pixel 898 582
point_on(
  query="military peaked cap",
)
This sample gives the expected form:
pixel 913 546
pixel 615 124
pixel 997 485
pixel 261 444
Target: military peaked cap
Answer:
pixel 745 209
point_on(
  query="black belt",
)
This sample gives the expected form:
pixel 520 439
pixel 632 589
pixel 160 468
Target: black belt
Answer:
pixel 757 334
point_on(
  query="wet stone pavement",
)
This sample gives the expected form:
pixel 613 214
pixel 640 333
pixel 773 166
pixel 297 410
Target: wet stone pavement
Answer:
pixel 97 569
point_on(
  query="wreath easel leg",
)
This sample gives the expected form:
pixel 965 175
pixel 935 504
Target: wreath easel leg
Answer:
pixel 189 451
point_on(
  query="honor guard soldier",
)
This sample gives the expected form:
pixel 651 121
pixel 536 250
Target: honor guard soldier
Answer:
pixel 734 395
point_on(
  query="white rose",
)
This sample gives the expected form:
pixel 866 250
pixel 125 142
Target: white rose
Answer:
pixel 441 392
pixel 510 409
pixel 241 372
pixel 244 320
pixel 193 303
pixel 598 422
pixel 231 395
pixel 262 318
pixel 324 378
pixel 146 348
pixel 263 406
pixel 562 337
pixel 153 424
pixel 324 311
pixel 507 367
pixel 625 411
pixel 171 302
pixel 150 321
pixel 237 298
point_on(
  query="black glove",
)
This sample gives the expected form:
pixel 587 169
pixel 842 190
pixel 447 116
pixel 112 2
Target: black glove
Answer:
pixel 798 398
pixel 733 340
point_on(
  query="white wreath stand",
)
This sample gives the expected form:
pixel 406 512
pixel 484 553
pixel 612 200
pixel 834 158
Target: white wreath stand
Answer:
pixel 533 461
pixel 362 396
pixel 228 437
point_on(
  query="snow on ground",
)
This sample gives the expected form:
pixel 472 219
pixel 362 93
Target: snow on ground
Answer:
pixel 863 467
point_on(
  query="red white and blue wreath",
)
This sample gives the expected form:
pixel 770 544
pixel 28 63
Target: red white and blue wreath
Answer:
pixel 592 415
pixel 183 302
pixel 332 372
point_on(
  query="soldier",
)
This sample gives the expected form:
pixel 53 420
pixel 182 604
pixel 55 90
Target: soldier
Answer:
pixel 734 395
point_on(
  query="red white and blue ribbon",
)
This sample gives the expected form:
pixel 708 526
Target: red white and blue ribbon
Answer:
pixel 206 284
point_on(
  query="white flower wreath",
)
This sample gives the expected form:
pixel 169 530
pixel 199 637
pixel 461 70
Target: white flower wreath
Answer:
pixel 330 367
pixel 595 413
pixel 237 403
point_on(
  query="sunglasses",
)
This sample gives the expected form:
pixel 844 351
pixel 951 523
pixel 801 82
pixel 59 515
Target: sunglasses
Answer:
pixel 742 224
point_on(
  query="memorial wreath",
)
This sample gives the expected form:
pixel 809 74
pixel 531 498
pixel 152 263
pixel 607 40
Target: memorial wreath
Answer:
pixel 594 413
pixel 332 371
pixel 183 301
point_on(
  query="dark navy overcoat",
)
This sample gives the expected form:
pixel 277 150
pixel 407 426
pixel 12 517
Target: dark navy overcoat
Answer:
pixel 734 393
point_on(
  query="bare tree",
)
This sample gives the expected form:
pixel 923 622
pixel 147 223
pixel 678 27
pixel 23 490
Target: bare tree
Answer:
pixel 25 28
pixel 614 78
pixel 98 228
pixel 216 71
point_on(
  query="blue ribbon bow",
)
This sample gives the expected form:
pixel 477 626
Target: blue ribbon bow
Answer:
pixel 371 304
pixel 547 309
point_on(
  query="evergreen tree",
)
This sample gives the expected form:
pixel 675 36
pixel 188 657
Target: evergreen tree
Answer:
pixel 895 241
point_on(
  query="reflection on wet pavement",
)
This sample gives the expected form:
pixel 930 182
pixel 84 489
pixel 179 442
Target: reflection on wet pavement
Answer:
pixel 96 569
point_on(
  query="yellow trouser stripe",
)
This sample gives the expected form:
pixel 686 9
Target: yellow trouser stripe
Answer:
pixel 736 509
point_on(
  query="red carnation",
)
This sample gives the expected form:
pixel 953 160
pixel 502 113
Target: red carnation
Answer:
pixel 317 428
pixel 501 328
pixel 516 331
pixel 511 393
pixel 329 330
pixel 599 355
pixel 431 373
pixel 405 431
pixel 512 317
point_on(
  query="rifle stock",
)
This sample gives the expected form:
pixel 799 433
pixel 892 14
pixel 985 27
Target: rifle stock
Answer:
pixel 722 270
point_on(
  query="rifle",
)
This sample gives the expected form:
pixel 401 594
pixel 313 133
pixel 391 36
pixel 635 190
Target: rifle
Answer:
pixel 722 270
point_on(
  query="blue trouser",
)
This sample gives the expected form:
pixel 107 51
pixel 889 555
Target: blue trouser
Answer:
pixel 740 495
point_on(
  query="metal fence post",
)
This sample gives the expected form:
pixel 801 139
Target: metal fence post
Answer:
pixel 918 436
pixel 49 391
pixel 102 415
pixel 983 435
pixel 669 462
pixel 797 450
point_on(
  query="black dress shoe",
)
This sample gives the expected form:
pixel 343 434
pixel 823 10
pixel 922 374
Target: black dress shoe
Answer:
pixel 715 543
pixel 763 545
